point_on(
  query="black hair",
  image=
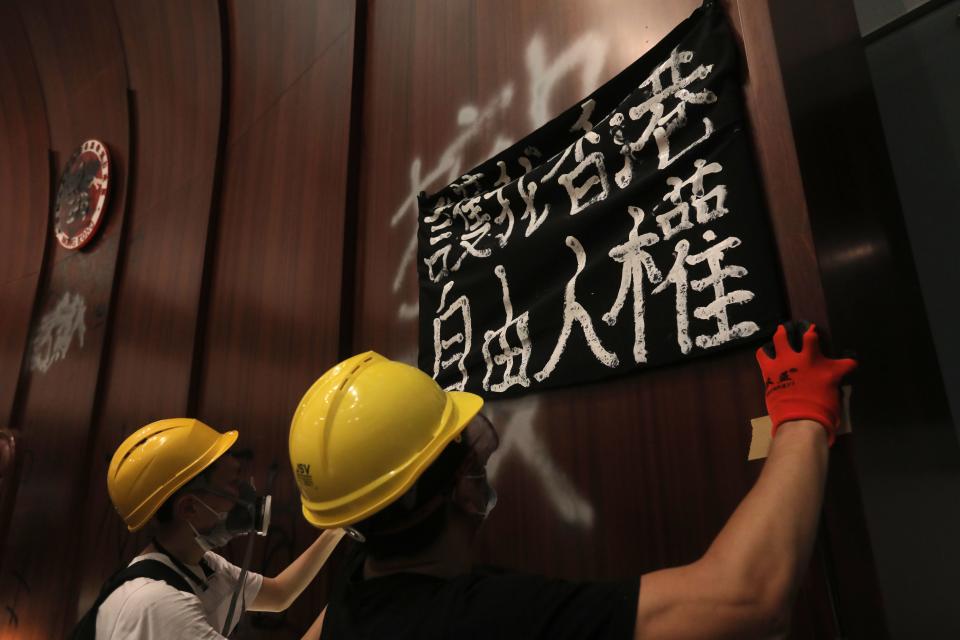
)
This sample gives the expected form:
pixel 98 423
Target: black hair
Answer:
pixel 415 520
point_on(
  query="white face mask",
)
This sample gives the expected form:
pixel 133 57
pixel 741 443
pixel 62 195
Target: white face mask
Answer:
pixel 218 536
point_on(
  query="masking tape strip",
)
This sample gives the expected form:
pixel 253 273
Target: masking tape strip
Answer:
pixel 760 442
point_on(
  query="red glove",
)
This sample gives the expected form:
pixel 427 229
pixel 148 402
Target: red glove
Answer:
pixel 802 384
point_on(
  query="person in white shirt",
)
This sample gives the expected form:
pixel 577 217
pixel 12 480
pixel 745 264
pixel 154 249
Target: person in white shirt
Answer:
pixel 175 474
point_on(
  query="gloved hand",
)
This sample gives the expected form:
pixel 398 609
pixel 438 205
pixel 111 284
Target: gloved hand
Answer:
pixel 802 383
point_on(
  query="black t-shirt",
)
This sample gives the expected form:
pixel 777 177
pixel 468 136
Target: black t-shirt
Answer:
pixel 481 604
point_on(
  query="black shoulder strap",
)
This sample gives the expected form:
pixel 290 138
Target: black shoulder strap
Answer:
pixel 86 629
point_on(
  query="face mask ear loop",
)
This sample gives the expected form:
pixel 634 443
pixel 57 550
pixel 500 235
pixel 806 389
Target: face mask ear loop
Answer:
pixel 220 515
pixel 199 538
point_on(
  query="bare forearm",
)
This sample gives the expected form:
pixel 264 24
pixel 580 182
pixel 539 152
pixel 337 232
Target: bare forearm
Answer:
pixel 295 578
pixel 744 584
pixel 767 542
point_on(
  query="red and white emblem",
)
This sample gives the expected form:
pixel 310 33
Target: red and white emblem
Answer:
pixel 82 195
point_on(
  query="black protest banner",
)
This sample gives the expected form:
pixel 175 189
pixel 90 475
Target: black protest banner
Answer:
pixel 626 233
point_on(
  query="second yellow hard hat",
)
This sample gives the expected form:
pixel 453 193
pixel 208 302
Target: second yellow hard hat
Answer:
pixel 365 431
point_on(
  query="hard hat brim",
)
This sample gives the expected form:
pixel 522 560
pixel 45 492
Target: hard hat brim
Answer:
pixel 464 406
pixel 468 405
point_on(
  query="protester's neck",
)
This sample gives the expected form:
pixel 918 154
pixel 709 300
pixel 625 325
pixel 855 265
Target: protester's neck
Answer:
pixel 449 556
pixel 179 542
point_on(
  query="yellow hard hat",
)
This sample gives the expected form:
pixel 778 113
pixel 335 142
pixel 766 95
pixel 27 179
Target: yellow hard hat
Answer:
pixel 156 460
pixel 365 431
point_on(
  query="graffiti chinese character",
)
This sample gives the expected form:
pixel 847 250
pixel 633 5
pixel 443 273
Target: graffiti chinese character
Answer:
pixel 523 161
pixel 699 198
pixel 441 224
pixel 468 185
pixel 591 164
pixel 477 225
pixel 506 215
pixel 573 311
pixel 457 313
pixel 718 308
pixel 677 276
pixel 583 121
pixel 660 123
pixel 636 261
pixel 56 331
pixel 677 219
pixel 530 210
pixel 508 354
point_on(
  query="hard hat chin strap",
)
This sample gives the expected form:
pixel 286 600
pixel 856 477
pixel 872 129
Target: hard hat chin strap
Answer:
pixel 241 583
pixel 355 534
pixel 253 515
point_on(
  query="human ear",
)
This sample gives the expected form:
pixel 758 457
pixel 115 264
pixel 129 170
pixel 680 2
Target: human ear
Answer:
pixel 184 507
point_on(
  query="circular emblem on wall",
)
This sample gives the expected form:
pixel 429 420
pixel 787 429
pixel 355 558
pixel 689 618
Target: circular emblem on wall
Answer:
pixel 82 195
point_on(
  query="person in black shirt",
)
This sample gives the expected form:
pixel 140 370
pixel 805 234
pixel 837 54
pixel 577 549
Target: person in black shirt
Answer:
pixel 380 450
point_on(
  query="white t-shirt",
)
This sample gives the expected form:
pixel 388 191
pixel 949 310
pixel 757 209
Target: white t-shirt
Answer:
pixel 151 609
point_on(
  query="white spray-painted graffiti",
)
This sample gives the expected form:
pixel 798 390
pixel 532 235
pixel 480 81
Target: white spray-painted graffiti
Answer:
pixel 519 436
pixel 473 123
pixel 57 329
pixel 586 55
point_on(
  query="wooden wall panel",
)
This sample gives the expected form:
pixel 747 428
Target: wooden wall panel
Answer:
pixel 25 181
pixel 274 45
pixel 79 59
pixel 174 60
pixel 272 323
pixel 606 480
